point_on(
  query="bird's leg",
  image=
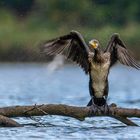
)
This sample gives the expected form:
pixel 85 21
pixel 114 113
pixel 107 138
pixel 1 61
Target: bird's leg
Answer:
pixel 105 107
pixel 90 56
pixel 93 107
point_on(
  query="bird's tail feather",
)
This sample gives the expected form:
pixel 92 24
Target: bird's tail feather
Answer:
pixel 97 101
pixel 89 103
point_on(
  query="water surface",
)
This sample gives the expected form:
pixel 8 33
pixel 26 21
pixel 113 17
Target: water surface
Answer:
pixel 27 84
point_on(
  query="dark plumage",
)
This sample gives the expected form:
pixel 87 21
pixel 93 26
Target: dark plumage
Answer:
pixel 92 59
pixel 72 46
pixel 119 52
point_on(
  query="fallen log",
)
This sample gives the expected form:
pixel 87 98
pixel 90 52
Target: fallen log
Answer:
pixel 80 113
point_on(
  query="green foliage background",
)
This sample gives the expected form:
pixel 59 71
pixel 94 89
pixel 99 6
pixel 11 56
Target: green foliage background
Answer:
pixel 24 24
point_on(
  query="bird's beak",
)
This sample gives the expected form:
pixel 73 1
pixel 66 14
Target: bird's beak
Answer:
pixel 93 44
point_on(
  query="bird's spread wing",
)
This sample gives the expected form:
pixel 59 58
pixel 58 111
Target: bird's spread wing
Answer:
pixel 72 46
pixel 119 52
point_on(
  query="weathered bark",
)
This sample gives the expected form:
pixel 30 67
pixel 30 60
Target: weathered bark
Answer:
pixel 79 113
pixel 7 122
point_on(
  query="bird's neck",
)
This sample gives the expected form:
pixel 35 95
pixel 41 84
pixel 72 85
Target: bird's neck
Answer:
pixel 97 55
pixel 97 51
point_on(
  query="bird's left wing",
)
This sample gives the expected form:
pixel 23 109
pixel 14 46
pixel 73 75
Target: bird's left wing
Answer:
pixel 72 46
pixel 119 52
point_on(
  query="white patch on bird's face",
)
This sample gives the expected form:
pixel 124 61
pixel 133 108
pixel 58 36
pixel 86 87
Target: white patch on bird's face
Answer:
pixel 99 73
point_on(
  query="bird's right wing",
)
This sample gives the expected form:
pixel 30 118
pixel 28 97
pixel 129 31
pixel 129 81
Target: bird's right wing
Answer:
pixel 72 45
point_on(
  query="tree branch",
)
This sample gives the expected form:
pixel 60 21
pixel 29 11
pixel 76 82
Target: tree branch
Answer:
pixel 79 113
pixel 7 122
pixel 125 121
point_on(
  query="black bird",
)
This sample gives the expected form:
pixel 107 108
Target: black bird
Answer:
pixel 92 60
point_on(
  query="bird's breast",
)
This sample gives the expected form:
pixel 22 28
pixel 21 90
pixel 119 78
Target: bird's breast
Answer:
pixel 99 74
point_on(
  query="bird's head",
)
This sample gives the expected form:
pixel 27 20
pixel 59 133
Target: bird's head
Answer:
pixel 94 44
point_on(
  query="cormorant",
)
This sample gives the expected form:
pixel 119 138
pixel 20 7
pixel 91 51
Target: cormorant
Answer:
pixel 92 60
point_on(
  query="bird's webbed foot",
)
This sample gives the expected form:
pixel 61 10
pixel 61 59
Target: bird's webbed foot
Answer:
pixel 105 108
pixel 90 56
pixel 95 109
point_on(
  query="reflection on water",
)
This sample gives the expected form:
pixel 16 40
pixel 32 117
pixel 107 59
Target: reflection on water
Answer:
pixel 26 84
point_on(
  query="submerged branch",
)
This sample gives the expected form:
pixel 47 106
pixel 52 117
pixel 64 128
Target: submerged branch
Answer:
pixel 125 120
pixel 79 113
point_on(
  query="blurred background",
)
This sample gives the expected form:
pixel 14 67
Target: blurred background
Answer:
pixel 24 24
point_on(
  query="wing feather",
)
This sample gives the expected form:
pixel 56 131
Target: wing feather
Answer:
pixel 125 58
pixel 72 46
pixel 118 51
